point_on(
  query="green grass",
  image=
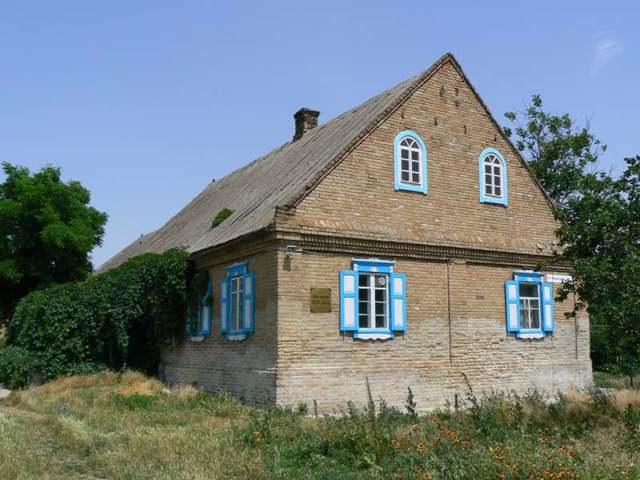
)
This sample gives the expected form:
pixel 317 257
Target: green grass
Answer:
pixel 131 427
pixel 611 380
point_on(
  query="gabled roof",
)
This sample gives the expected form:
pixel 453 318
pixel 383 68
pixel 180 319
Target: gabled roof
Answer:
pixel 276 179
pixel 281 178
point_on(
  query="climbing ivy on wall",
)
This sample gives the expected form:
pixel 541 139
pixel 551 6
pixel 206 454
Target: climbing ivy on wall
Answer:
pixel 112 320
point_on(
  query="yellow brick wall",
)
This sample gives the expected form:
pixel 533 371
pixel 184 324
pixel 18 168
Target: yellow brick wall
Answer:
pixel 316 362
pixel 244 368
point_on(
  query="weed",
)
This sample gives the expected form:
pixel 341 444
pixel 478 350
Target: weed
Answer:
pixel 411 403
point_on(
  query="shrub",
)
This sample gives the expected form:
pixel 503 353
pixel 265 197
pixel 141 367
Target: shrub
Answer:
pixel 221 217
pixel 16 366
pixel 115 319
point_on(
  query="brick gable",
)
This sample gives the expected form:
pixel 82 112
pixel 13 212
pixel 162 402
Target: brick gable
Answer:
pixel 357 198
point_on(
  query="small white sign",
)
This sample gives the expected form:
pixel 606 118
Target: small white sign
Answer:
pixel 558 278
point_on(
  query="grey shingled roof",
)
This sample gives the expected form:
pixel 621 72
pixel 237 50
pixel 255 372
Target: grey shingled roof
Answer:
pixel 279 178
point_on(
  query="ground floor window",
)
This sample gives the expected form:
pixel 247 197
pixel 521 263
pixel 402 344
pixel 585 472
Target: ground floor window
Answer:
pixel 237 302
pixel 373 300
pixel 529 305
pixel 199 310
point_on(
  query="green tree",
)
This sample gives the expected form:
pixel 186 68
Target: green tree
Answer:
pixel 599 231
pixel 47 230
pixel 600 235
pixel 557 151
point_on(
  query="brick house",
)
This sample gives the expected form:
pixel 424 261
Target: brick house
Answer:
pixel 394 244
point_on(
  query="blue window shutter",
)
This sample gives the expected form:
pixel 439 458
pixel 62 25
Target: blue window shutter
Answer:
pixel 547 307
pixel 190 322
pixel 224 306
pixel 512 302
pixel 348 303
pixel 398 308
pixel 248 322
pixel 205 313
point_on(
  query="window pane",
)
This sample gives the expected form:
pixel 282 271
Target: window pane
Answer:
pixel 405 176
pixel 529 290
pixel 363 320
pixel 487 169
pixel 498 191
pixel 496 170
pixel 240 312
pixel 497 180
pixel 363 280
pixel 363 295
pixel 487 180
pixel 404 153
pixel 488 190
pixel 380 321
pixel 405 164
pixel 415 166
pixel 535 319
pixel 236 311
pixel 524 317
pixel 414 155
pixel 380 295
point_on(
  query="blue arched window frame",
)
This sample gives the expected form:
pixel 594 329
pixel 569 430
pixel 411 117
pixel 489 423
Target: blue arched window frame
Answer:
pixel 423 187
pixel 484 198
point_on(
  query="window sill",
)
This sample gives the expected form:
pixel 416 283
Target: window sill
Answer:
pixel 530 335
pixel 383 335
pixel 494 201
pixel 198 338
pixel 236 337
pixel 411 188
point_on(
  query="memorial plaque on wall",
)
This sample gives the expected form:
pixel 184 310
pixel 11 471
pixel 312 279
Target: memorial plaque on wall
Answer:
pixel 320 300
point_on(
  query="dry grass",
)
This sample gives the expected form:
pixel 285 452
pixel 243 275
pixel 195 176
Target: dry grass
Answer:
pixel 127 426
pixel 624 398
pixel 620 398
pixel 121 426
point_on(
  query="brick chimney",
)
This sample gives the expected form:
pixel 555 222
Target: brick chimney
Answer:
pixel 306 119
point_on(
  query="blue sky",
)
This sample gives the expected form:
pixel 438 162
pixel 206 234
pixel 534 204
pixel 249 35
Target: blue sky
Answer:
pixel 145 102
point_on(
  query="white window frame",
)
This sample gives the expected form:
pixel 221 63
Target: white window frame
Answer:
pixel 371 301
pixel 410 145
pixel 491 187
pixel 236 299
pixel 526 309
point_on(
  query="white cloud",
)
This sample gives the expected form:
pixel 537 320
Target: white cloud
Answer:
pixel 604 51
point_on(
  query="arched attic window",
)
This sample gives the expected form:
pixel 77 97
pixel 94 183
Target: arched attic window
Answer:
pixel 493 177
pixel 410 160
